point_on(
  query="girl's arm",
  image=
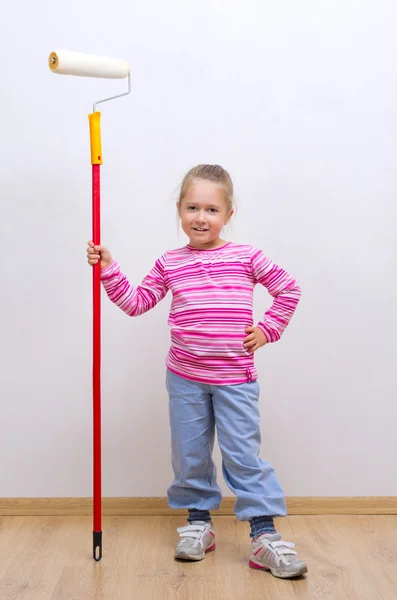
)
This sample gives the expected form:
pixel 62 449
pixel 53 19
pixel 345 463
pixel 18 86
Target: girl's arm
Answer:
pixel 135 300
pixel 285 291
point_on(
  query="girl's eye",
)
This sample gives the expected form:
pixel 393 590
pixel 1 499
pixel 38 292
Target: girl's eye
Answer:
pixel 213 210
pixel 191 207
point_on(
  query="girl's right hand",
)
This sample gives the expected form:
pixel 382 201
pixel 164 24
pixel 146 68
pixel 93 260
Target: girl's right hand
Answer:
pixel 94 253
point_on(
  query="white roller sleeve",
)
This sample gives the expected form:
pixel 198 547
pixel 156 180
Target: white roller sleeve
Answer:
pixel 67 62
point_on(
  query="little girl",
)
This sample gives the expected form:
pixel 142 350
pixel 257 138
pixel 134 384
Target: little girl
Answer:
pixel 211 378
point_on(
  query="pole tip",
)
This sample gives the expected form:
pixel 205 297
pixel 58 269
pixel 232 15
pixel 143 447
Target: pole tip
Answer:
pixel 97 545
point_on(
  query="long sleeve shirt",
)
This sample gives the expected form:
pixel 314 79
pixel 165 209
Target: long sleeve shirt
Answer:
pixel 212 305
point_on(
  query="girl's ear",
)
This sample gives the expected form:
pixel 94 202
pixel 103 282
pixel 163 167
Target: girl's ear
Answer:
pixel 231 213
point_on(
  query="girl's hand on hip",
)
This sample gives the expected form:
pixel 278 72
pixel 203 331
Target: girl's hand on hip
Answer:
pixel 96 253
pixel 256 339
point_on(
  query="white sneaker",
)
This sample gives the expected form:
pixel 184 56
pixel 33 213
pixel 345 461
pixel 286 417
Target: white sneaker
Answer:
pixel 269 552
pixel 197 539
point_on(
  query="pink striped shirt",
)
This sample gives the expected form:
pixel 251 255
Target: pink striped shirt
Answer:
pixel 212 304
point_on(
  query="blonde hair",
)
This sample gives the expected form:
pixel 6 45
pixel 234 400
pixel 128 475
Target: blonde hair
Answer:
pixel 214 173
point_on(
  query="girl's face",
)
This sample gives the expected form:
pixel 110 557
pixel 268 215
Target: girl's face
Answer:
pixel 203 213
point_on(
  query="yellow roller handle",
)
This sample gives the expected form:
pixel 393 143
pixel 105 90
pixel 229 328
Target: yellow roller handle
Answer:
pixel 95 138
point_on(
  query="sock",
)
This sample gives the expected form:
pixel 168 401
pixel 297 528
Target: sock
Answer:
pixel 261 525
pixel 198 515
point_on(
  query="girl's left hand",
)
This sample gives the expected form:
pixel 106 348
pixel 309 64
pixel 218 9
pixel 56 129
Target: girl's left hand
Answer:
pixel 256 339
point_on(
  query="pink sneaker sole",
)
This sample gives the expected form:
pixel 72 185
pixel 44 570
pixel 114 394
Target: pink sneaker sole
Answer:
pixel 211 548
pixel 260 567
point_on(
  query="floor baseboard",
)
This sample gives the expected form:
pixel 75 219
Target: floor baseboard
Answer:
pixel 158 506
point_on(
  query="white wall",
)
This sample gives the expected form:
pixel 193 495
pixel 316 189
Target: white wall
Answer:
pixel 297 100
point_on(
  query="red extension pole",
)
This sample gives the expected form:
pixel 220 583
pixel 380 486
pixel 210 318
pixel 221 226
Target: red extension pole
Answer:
pixel 96 370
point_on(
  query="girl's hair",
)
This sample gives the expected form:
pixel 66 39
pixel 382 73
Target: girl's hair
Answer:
pixel 214 173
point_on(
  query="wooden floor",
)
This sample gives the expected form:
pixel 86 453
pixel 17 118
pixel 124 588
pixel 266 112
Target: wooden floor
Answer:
pixel 349 557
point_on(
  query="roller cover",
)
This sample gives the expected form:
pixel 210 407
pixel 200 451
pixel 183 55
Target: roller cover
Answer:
pixel 67 62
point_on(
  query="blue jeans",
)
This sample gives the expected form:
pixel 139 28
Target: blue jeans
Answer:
pixel 195 409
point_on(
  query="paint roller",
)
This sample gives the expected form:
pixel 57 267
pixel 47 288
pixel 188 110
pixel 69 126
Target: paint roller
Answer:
pixel 66 62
